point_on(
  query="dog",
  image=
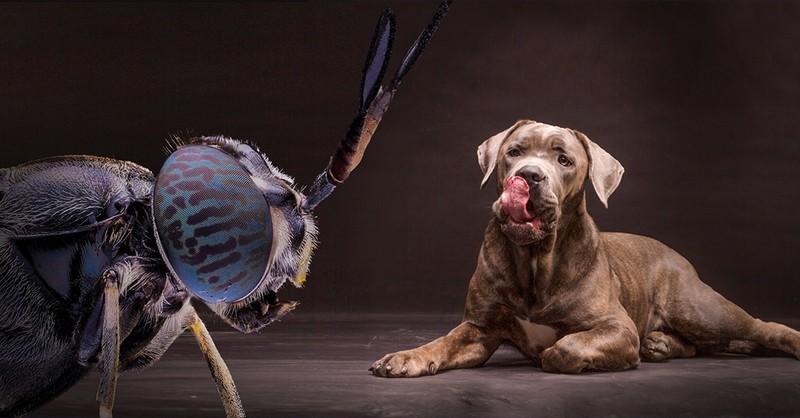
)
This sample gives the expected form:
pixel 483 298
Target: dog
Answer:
pixel 571 297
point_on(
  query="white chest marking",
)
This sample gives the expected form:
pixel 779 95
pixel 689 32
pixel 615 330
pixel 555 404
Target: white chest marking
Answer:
pixel 539 336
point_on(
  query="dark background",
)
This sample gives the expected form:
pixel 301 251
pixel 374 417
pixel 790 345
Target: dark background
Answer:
pixel 698 100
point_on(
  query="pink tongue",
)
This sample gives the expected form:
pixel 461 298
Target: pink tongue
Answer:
pixel 514 199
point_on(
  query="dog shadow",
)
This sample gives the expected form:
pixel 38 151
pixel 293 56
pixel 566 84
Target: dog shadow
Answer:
pixel 509 362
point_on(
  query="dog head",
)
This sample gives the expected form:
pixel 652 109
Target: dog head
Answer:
pixel 541 172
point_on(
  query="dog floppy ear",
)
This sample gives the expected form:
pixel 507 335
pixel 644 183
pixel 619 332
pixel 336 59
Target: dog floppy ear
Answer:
pixel 487 151
pixel 604 170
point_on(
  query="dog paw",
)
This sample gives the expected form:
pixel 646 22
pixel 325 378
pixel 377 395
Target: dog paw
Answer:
pixel 409 363
pixel 562 359
pixel 655 347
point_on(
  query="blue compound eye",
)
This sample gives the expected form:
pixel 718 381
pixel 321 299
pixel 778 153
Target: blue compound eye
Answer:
pixel 213 224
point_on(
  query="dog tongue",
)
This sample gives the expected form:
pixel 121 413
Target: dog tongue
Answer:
pixel 514 199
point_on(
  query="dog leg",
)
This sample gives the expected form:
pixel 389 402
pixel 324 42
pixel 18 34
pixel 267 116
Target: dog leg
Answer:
pixel 611 347
pixel 714 324
pixel 751 348
pixel 658 346
pixel 755 338
pixel 465 346
pixel 772 336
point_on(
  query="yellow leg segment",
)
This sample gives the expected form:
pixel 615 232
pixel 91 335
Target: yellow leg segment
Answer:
pixel 109 348
pixel 219 370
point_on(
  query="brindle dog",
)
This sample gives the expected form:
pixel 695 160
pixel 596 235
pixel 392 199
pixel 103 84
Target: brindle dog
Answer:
pixel 549 283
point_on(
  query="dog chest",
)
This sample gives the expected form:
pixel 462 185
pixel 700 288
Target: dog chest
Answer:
pixel 538 336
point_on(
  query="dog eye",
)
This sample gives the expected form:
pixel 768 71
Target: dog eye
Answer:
pixel 563 160
pixel 514 152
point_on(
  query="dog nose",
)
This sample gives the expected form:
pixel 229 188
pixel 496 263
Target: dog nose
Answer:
pixel 533 174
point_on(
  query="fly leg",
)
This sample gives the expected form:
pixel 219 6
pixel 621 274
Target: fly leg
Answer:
pixel 219 370
pixel 109 346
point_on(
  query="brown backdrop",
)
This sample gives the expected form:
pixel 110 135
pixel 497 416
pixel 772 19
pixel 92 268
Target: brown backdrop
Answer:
pixel 699 101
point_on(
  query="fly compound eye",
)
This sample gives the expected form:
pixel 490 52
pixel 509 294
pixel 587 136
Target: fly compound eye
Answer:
pixel 213 224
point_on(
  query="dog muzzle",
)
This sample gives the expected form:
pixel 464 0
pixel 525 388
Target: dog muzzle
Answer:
pixel 515 202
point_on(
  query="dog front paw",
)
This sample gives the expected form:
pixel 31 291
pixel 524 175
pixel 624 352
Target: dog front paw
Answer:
pixel 409 363
pixel 562 358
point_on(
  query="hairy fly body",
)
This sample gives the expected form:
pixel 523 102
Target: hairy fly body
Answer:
pixel 100 259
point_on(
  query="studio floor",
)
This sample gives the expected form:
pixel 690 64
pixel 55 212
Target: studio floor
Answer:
pixel 316 366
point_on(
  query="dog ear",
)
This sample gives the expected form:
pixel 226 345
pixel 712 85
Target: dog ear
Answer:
pixel 604 170
pixel 487 151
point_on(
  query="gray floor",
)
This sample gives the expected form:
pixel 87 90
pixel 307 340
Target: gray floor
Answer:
pixel 316 366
